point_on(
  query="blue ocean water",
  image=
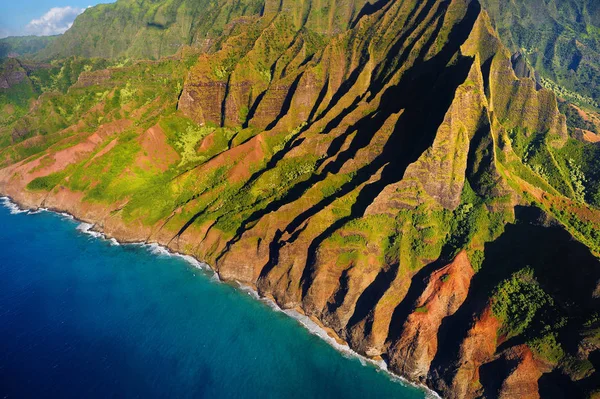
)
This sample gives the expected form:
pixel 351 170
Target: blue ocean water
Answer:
pixel 80 317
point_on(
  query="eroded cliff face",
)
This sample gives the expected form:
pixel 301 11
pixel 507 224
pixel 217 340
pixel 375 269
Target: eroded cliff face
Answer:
pixel 12 74
pixel 367 177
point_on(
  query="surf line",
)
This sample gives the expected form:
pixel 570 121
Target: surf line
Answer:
pixel 159 250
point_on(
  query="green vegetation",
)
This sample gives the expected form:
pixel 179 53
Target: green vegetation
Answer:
pixel 46 183
pixel 150 30
pixel 526 309
pixel 582 161
pixel 560 39
pixel 472 224
pixel 575 120
pixel 586 231
pixel 63 102
pixel 29 80
pixel 518 300
pixel 185 136
pixel 24 45
pixel 547 347
pixel 100 178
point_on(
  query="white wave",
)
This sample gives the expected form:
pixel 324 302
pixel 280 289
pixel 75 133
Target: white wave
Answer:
pixel 304 320
pixel 196 263
pixel 251 292
pixel 39 210
pixel 315 329
pixel 344 349
pixel 11 206
pixel 137 244
pixel 156 249
pixel 87 229
pixel 160 250
pixel 66 215
pixel 84 227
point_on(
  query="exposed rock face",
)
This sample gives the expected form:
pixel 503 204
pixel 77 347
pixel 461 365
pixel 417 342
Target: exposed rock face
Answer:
pixel 203 101
pixel 445 291
pixel 524 70
pixel 475 350
pixel 522 378
pixel 358 164
pixel 12 74
pixel 87 79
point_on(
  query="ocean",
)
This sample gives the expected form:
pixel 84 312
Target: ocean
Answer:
pixel 84 317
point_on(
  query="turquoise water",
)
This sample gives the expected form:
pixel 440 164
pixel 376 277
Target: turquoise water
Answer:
pixel 82 317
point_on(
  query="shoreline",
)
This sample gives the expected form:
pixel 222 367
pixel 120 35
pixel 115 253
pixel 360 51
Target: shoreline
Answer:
pixel 313 327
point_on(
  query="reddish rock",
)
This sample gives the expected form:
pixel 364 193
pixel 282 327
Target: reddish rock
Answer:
pixel 446 289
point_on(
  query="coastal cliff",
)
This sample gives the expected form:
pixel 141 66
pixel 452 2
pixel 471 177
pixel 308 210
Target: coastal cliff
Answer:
pixel 385 170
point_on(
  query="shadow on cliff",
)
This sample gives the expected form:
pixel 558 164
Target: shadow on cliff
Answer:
pixel 417 286
pixel 408 94
pixel 564 268
pixel 369 9
pixel 493 374
pixel 424 93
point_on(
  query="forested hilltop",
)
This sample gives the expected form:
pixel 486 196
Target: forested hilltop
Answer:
pixel 416 175
pixel 23 46
pixel 559 38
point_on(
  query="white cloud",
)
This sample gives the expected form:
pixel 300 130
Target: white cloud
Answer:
pixel 54 22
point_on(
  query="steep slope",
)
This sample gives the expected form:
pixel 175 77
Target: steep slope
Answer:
pixel 393 177
pixel 22 82
pixel 559 38
pixel 150 29
pixel 19 46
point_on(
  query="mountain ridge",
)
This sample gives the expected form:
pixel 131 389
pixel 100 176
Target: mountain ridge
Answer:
pixel 155 29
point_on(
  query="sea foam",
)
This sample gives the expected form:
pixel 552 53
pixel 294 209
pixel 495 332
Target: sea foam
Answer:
pixel 315 329
pixel 160 250
pixel 12 207
pixel 87 228
pixel 302 319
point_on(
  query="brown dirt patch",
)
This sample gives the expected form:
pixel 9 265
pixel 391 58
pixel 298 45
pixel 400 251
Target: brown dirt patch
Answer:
pixel 589 136
pixel 56 161
pixel 156 152
pixel 247 154
pixel 207 142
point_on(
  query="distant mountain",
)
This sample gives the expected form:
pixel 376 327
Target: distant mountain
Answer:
pixel 24 45
pixel 155 28
pixel 560 38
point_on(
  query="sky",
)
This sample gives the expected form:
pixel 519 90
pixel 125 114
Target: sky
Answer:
pixel 40 17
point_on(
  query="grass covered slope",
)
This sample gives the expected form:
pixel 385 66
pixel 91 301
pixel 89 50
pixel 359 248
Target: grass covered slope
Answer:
pixel 23 46
pixel 559 38
pixel 394 178
pixel 150 29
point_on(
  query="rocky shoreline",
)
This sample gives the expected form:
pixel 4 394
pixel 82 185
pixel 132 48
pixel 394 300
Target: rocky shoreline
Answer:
pixel 313 325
